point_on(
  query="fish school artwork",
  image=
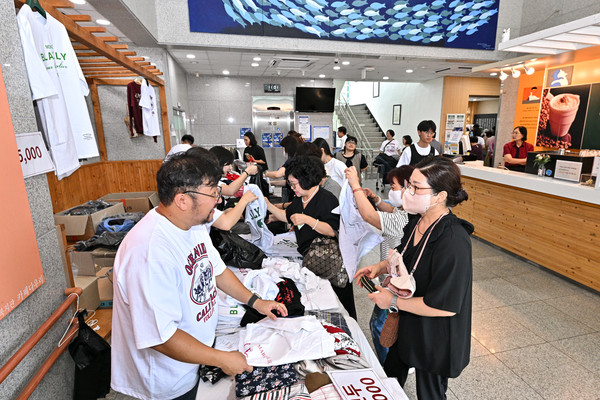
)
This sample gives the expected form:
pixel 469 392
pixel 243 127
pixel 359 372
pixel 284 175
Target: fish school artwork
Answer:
pixel 440 23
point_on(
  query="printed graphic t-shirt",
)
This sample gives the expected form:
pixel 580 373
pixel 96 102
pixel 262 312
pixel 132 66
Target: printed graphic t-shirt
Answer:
pixel 164 280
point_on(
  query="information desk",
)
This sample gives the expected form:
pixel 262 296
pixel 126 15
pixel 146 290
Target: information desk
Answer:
pixel 551 222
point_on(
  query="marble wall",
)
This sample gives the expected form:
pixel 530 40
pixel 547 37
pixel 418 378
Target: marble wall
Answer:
pixel 29 315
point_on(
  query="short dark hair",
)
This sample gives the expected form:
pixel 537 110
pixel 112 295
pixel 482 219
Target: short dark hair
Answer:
pixel 187 139
pixel 407 139
pixel 391 132
pixel 224 156
pixel 473 139
pixel 523 131
pixel 350 138
pixel 489 133
pixel 201 152
pixel 252 138
pixel 185 172
pixel 307 169
pixel 426 125
pixel 290 145
pixel 443 175
pixel 308 149
pixel 401 174
pixel 342 129
pixel 322 144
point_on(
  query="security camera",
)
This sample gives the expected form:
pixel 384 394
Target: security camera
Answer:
pixel 336 61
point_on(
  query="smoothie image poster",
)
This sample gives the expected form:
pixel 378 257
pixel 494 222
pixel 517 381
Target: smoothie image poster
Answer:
pixel 562 117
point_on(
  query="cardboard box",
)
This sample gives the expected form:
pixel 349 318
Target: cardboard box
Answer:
pixel 134 201
pixel 88 263
pixel 90 298
pixel 82 227
pixel 105 286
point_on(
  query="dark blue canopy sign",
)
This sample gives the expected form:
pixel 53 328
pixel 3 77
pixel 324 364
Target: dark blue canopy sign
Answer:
pixel 439 23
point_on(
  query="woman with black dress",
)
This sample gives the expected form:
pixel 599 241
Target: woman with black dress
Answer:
pixel 310 212
pixel 253 152
pixel 434 326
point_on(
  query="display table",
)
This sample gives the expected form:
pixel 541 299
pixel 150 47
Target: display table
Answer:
pixel 551 222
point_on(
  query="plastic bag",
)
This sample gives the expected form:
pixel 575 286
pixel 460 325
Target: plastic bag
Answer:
pixel 235 251
pixel 91 354
pixel 107 240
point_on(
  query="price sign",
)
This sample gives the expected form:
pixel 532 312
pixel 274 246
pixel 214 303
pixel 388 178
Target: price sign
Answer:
pixel 359 384
pixel 33 156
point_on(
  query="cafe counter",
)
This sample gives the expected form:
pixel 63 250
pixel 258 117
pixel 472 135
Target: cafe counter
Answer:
pixel 553 223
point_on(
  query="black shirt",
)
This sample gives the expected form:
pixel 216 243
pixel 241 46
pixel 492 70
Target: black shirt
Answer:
pixel 444 278
pixel 258 153
pixel 319 207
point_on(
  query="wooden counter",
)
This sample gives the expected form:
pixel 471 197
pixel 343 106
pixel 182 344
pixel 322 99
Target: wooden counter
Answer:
pixel 561 233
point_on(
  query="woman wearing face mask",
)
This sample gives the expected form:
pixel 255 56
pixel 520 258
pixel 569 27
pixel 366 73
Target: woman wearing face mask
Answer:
pixel 390 219
pixel 434 325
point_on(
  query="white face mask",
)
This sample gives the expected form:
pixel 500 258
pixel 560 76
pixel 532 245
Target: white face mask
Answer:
pixel 416 204
pixel 395 198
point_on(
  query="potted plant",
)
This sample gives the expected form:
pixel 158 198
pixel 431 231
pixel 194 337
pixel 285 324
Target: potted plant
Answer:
pixel 540 161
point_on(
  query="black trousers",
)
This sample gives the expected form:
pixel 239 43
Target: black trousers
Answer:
pixel 346 296
pixel 191 395
pixel 429 386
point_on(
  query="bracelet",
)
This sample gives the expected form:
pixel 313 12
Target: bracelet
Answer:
pixel 243 172
pixel 357 190
pixel 313 228
pixel 253 299
pixel 378 202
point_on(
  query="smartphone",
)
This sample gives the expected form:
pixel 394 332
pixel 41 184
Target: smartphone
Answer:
pixel 368 284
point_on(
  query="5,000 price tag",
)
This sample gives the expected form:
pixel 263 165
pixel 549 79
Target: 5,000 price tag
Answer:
pixel 33 155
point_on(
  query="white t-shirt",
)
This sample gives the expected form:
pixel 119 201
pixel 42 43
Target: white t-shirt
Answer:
pixel 335 169
pixel 164 280
pixel 407 154
pixel 391 147
pixel 149 110
pixel 59 87
pixel 480 141
pixel 342 141
pixel 178 148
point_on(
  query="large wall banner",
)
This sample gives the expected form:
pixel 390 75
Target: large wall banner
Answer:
pixel 440 23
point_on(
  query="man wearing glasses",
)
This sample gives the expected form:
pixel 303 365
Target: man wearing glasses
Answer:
pixel 166 276
pixel 422 149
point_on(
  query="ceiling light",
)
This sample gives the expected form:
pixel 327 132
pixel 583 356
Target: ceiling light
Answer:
pixel 257 59
pixel 337 67
pixel 255 64
pixel 194 62
pixel 207 84
pixel 515 73
pixel 225 72
pixel 230 120
pixel 190 56
pixel 533 59
pixel 197 74
pixel 102 22
pixel 409 71
pixel 385 78
pixel 493 74
pixel 345 62
pixel 503 75
pixel 529 70
pixel 78 1
pixel 322 76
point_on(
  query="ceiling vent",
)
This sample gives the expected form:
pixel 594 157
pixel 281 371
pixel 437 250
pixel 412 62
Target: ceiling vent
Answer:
pixel 292 63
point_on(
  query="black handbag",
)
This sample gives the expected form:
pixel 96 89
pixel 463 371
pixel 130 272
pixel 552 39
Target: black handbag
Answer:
pixel 91 354
pixel 235 251
pixel 324 259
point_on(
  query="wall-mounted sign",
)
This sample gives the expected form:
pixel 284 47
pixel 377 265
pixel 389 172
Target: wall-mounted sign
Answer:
pixel 272 88
pixel 568 170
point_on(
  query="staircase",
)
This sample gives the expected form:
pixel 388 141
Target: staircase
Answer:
pixel 369 126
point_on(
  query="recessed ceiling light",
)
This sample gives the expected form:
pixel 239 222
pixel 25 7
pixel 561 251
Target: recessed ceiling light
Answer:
pixel 78 1
pixel 230 120
pixel 225 72
pixel 385 78
pixel 345 62
pixel 255 64
pixel 303 84
pixel 493 74
pixel 207 84
pixel 337 67
pixel 322 76
pixel 190 56
pixel 103 22
pixel 409 71
pixel 257 59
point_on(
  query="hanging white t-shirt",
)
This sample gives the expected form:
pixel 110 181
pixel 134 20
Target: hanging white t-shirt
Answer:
pixel 178 148
pixel 407 154
pixel 390 147
pixel 335 169
pixel 164 280
pixel 149 110
pixel 58 85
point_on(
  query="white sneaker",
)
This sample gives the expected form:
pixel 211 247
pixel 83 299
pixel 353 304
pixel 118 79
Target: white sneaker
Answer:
pixel 411 371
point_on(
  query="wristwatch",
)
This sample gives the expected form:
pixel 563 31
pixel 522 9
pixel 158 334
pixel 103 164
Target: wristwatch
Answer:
pixel 393 307
pixel 253 299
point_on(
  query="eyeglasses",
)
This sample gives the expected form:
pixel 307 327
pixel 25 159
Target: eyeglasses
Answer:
pixel 429 133
pixel 293 184
pixel 216 196
pixel 412 189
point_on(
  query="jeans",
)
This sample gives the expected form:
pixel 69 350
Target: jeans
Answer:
pixel 376 324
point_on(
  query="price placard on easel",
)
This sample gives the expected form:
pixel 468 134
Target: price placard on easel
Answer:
pixel 33 155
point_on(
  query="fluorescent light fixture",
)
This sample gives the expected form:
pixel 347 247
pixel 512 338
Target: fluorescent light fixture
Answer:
pixel 322 76
pixel 409 71
pixel 493 74
pixel 503 75
pixel 515 73
pixel 225 72
pixel 345 62
pixel 257 59
pixel 80 2
pixel 529 70
pixel 255 64
pixel 103 22
pixel 190 56
pixel 385 78
pixel 337 67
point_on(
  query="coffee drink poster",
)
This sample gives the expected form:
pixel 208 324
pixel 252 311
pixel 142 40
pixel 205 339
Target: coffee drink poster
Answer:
pixel 562 117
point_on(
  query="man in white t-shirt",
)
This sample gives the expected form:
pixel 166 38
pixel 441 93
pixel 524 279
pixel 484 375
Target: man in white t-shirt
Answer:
pixel 166 276
pixel 422 149
pixel 187 141
pixel 342 136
